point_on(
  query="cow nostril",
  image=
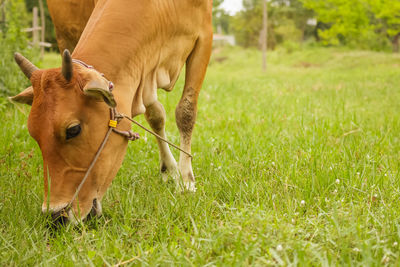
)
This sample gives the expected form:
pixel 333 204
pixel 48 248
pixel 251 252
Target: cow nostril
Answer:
pixel 59 217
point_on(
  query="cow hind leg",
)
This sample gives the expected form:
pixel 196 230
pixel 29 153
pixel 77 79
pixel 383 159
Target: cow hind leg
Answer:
pixel 186 111
pixel 155 116
pixel 185 114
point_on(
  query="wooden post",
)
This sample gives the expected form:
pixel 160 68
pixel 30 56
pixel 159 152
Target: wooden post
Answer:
pixel 43 26
pixel 264 36
pixel 396 43
pixel 35 29
pixel 35 25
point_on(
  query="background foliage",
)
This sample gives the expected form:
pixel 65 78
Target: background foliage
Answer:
pixel 373 24
pixel 287 23
pixel 13 39
pixel 50 35
pixel 365 24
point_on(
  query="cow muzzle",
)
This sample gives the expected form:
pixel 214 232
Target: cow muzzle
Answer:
pixel 62 214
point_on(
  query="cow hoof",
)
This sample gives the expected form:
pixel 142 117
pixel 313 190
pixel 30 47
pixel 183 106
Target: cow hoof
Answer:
pixel 169 172
pixel 188 186
pixel 166 176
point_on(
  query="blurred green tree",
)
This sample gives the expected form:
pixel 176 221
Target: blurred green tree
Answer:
pixel 247 24
pixel 12 39
pixel 369 24
pixel 287 22
pixel 221 19
pixel 387 15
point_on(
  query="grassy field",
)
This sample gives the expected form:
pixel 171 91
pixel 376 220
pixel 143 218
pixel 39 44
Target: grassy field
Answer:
pixel 298 166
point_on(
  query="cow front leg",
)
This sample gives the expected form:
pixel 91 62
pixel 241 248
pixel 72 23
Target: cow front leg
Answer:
pixel 186 111
pixel 155 116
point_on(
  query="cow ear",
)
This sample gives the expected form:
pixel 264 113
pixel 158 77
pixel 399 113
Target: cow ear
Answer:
pixel 25 97
pixel 100 90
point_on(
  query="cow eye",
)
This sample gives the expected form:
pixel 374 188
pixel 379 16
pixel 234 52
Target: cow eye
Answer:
pixel 73 131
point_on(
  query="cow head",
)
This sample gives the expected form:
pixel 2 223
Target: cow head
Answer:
pixel 68 119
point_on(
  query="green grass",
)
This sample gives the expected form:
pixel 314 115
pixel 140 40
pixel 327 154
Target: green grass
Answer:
pixel 298 166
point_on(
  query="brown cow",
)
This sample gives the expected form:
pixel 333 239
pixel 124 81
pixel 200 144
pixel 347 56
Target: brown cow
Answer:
pixel 69 18
pixel 140 46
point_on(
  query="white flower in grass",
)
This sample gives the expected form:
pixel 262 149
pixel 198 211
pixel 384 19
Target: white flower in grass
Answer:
pixel 279 247
pixel 385 259
pixel 356 250
pixel 302 203
pixel 337 181
pixel 395 244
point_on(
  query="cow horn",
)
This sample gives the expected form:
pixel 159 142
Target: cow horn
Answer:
pixel 25 65
pixel 67 65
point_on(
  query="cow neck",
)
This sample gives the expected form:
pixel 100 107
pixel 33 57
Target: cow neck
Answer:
pixel 110 59
pixel 105 66
pixel 126 79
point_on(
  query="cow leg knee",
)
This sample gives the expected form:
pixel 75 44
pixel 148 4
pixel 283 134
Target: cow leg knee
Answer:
pixel 155 116
pixel 185 114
